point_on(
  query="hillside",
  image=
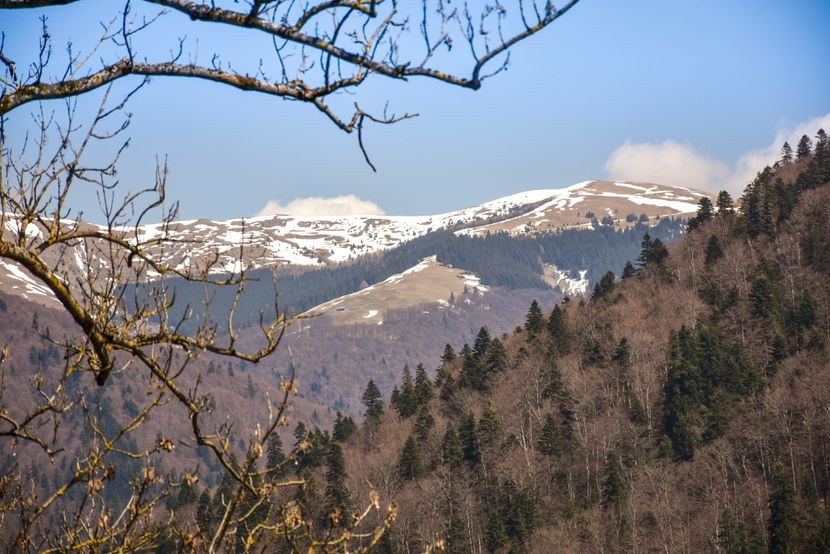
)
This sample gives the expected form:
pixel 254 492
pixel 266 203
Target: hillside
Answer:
pixel 681 409
pixel 293 245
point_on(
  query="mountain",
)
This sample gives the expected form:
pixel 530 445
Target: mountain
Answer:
pixel 284 242
pixel 681 409
pixel 421 282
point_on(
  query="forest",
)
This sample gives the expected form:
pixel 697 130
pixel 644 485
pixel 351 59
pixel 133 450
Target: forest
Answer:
pixel 681 408
pixel 499 259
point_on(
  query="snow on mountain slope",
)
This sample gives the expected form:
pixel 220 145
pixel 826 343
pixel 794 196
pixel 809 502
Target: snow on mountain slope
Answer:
pixel 280 240
pixel 313 241
pixel 573 206
pixel 428 282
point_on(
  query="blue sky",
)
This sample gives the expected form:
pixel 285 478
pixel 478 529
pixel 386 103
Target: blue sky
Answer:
pixel 689 92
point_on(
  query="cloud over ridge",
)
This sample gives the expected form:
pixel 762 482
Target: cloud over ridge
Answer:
pixel 348 204
pixel 674 163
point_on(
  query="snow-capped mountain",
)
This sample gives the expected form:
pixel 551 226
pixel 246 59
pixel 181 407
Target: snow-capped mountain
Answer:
pixel 283 240
pixel 270 241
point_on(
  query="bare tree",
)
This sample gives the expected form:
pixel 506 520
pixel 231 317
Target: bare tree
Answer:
pixel 108 279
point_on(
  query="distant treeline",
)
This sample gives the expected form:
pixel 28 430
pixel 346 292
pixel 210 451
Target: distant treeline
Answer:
pixel 498 259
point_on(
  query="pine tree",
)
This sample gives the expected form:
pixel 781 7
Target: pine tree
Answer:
pixel 406 399
pixel 448 355
pixel 821 143
pixel 386 544
pixel 344 427
pixel 613 488
pixel 713 251
pixel 481 344
pixel 424 422
pixel 395 397
pixel 724 203
pixel 805 147
pixel 651 251
pixel 658 252
pixel 783 525
pixel 732 538
pixel 786 153
pixel 409 463
pixel 274 457
pixel 489 428
pixel 451 453
pixel 468 436
pixel 372 400
pixel 559 330
pixel 604 287
pixel 338 498
pixel 705 210
pixel 496 360
pixel 622 354
pixel 550 439
pixel 535 321
pixel 496 534
pixel 457 540
pixel 203 511
pixel 423 386
pixel 645 249
pixel 628 270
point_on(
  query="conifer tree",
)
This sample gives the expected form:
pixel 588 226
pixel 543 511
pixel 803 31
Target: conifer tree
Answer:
pixel 344 427
pixel 409 463
pixel 203 511
pixel 372 400
pixel 786 153
pixel 725 203
pixel 423 386
pixel 451 453
pixel 559 330
pixel 713 250
pixel 468 436
pixel 550 439
pixel 628 270
pixel 275 458
pixel 481 344
pixel 496 360
pixel 448 355
pixel 604 287
pixel 613 488
pixel 406 399
pixel 424 422
pixel 386 544
pixel 645 250
pixel 622 354
pixel 457 538
pixel 496 533
pixel 805 147
pixel 338 498
pixel 705 210
pixel 489 428
pixel 732 534
pixel 783 525
pixel 822 145
pixel 535 321
pixel 651 251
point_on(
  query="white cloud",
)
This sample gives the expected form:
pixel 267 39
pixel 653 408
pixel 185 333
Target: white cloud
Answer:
pixel 318 205
pixel 673 163
pixel 668 162
pixel 750 163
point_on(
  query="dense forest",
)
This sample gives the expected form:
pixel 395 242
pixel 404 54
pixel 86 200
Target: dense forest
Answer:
pixel 682 408
pixel 498 259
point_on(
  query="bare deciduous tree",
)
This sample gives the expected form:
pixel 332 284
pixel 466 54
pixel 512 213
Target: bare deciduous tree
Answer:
pixel 105 277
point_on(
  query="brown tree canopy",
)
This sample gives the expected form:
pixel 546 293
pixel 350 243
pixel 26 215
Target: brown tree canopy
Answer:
pixel 105 277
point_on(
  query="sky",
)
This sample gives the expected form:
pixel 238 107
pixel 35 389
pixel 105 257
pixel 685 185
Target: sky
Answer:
pixel 699 94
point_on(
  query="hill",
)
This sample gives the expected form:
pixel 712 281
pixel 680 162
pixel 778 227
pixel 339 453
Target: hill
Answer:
pixel 681 409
